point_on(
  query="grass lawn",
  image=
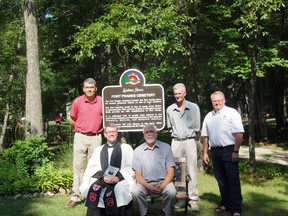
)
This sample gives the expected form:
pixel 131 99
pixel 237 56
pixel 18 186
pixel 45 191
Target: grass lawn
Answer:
pixel 268 198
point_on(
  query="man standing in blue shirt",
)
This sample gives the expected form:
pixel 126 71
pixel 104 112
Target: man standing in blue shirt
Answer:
pixel 183 120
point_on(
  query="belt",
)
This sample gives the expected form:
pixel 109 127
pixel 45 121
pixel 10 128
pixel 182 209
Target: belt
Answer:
pixel 182 139
pixel 88 134
pixel 223 147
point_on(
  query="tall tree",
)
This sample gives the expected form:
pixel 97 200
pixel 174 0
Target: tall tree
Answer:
pixel 11 71
pixel 33 107
pixel 252 13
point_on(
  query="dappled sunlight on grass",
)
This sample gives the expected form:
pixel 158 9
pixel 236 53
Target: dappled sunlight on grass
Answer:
pixel 266 199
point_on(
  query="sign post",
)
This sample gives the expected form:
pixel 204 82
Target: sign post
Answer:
pixel 133 103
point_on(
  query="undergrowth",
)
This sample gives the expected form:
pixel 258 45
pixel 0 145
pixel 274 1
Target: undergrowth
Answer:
pixel 27 167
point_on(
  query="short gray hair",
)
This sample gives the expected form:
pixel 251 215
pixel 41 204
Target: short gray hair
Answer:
pixel 179 86
pixel 217 93
pixel 111 125
pixel 89 80
pixel 150 127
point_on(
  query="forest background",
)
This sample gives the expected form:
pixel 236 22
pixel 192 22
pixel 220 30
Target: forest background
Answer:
pixel 238 47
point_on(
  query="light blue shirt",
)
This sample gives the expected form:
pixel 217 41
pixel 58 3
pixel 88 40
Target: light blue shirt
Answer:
pixel 153 163
pixel 183 124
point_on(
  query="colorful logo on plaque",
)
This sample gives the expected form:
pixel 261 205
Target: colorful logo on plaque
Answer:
pixel 132 78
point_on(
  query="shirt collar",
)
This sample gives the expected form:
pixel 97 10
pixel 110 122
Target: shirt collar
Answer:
pixel 147 147
pixel 217 112
pixel 176 107
pixel 87 101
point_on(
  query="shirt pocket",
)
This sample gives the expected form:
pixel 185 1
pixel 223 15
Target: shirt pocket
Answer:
pixel 160 164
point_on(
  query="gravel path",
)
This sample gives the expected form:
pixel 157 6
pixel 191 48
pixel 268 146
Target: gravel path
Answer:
pixel 267 155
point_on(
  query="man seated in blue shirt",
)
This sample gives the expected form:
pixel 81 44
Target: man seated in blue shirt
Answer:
pixel 154 167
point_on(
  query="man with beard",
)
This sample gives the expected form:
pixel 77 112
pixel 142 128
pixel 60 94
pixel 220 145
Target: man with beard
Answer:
pixel 154 167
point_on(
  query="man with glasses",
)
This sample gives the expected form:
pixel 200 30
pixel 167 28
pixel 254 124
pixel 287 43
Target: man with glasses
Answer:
pixel 109 178
pixel 86 119
pixel 223 132
pixel 154 167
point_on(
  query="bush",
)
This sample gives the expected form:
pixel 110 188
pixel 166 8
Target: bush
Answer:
pixel 264 172
pixel 14 181
pixel 26 168
pixel 27 154
pixel 47 178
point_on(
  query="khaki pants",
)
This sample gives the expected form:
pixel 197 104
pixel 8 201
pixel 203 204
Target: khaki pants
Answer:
pixel 82 150
pixel 188 149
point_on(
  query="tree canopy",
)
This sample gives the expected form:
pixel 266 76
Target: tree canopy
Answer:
pixel 206 45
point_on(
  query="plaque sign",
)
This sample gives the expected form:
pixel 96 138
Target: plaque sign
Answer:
pixel 133 103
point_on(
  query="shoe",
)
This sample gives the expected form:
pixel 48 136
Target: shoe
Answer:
pixel 220 209
pixel 180 204
pixel 72 204
pixel 236 214
pixel 194 206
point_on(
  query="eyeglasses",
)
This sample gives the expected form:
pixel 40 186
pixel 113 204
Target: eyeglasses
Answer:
pixel 110 132
pixel 217 101
pixel 89 87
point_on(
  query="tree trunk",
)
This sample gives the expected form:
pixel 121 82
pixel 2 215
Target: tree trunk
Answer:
pixel 33 106
pixel 191 85
pixel 261 112
pixel 252 104
pixel 4 127
pixel 5 123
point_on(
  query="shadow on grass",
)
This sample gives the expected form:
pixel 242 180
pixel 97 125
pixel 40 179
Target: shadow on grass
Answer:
pixel 263 205
pixel 42 206
pixel 254 204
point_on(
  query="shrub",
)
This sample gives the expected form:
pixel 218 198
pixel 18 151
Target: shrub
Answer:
pixel 26 168
pixel 47 178
pixel 264 172
pixel 14 181
pixel 27 154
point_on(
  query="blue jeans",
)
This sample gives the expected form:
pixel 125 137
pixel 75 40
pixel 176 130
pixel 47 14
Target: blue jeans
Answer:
pixel 227 175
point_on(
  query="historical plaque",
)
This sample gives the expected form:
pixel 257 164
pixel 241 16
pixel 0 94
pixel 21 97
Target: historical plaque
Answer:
pixel 133 103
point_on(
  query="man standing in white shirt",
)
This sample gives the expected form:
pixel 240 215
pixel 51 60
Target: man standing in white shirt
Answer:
pixel 223 130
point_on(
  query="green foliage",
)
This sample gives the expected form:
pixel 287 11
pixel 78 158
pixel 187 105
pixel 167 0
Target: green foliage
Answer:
pixel 64 158
pixel 272 57
pixel 254 11
pixel 27 154
pixel 145 33
pixel 14 180
pixel 47 178
pixel 264 172
pixel 26 168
